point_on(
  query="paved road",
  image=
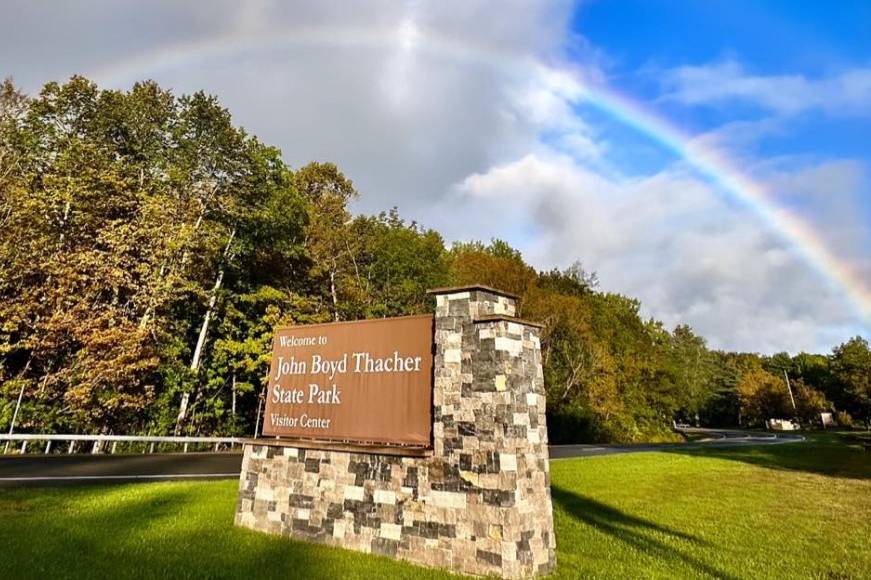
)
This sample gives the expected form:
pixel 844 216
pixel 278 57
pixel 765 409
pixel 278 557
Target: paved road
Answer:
pixel 53 470
pixel 40 470
pixel 707 438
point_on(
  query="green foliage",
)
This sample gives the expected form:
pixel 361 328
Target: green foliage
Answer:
pixel 129 217
pixel 762 395
pixel 495 265
pixel 843 419
pixel 394 265
pixel 851 378
pixel 149 248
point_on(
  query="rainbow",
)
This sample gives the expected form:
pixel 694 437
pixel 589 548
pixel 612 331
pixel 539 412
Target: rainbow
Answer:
pixel 709 162
pixel 722 172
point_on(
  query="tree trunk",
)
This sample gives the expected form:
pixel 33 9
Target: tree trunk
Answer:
pixel 259 408
pixel 233 407
pixel 204 331
pixel 572 379
pixel 333 294
pixel 17 407
pixel 20 395
pixel 44 383
pixel 63 223
pixel 143 322
pixel 182 411
pixel 186 253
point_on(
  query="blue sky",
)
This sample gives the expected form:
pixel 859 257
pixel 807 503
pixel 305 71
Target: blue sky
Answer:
pixel 814 40
pixel 525 120
pixel 777 36
pixel 643 40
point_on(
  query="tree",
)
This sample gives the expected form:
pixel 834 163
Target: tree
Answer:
pixel 394 264
pixel 236 372
pixel 583 398
pixel 851 373
pixel 809 403
pixel 574 280
pixel 70 259
pixel 724 407
pixel 13 106
pixel 496 265
pixel 149 247
pixel 691 365
pixel 605 368
pixel 132 213
pixel 813 369
pixel 762 396
pixel 327 237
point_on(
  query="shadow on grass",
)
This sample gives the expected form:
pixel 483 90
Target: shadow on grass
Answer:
pixel 821 454
pixel 157 535
pixel 632 530
pixel 161 531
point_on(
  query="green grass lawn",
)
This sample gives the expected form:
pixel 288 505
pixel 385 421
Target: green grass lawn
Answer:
pixel 788 511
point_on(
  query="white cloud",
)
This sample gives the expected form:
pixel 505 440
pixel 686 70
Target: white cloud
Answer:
pixel 847 93
pixel 832 195
pixel 464 115
pixel 673 242
pixel 406 97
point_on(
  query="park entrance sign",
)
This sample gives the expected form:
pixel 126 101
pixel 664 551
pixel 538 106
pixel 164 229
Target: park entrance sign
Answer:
pixel 367 382
pixel 421 438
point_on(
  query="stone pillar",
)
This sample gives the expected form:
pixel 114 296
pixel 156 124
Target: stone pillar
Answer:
pixel 478 502
pixel 489 427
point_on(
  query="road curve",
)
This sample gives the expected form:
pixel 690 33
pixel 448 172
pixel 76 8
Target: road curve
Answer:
pixel 56 470
pixel 707 438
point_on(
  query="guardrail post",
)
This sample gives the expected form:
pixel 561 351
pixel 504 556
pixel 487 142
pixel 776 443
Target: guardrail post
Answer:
pixel 99 443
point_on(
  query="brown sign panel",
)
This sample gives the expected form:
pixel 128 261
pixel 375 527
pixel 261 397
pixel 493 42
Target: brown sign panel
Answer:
pixel 368 381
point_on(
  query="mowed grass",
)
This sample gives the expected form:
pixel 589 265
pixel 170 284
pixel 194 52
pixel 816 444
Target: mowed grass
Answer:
pixel 788 511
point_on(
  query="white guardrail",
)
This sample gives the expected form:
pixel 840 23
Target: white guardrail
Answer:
pixel 18 443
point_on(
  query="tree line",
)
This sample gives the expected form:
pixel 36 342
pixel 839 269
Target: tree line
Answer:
pixel 148 247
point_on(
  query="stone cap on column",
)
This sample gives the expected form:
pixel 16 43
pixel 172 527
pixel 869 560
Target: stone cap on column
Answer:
pixel 469 288
pixel 477 302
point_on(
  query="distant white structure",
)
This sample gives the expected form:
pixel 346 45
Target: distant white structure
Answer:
pixel 827 419
pixel 783 425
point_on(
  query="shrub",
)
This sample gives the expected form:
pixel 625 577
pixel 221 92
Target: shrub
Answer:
pixel 844 419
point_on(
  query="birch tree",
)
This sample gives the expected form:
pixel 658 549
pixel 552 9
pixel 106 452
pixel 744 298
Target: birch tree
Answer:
pixel 327 192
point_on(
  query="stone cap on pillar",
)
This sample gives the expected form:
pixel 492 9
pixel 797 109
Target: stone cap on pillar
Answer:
pixel 470 287
pixel 473 301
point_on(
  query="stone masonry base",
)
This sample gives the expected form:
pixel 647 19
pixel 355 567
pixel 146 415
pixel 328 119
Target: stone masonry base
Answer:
pixel 401 507
pixel 477 503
